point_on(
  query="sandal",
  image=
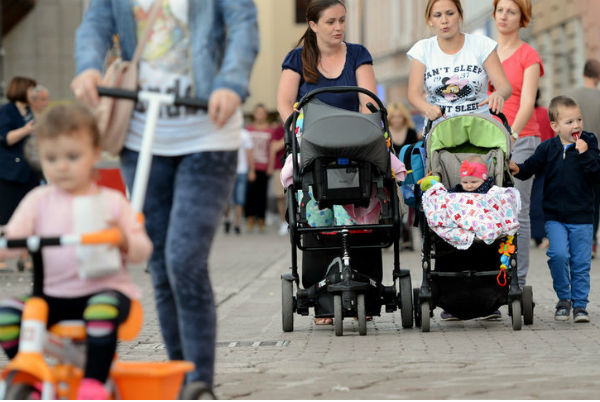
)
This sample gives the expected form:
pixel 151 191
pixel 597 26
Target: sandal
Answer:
pixel 324 321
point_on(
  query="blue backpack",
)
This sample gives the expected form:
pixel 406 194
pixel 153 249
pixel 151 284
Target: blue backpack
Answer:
pixel 413 157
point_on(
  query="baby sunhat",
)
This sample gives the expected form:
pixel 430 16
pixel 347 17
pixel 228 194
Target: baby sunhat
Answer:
pixel 473 169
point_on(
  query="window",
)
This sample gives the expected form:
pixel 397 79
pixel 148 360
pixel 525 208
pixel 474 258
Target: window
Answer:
pixel 301 11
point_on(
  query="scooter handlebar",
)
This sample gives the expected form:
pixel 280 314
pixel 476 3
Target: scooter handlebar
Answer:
pixel 133 95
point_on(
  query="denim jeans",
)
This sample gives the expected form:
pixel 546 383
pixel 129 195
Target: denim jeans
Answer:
pixel 184 203
pixel 570 257
pixel 523 149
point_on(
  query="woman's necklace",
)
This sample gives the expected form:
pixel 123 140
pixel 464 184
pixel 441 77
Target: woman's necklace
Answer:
pixel 332 64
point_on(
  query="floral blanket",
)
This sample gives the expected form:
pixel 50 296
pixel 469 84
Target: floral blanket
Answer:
pixel 459 218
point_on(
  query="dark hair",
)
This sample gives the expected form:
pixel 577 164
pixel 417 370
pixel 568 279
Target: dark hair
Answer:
pixel 310 50
pixel 430 4
pixel 17 89
pixel 559 101
pixel 68 119
pixel 591 69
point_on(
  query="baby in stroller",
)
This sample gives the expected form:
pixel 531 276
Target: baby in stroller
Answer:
pixel 468 250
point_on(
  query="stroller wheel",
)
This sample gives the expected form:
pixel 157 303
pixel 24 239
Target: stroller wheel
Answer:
pixel 406 302
pixel 338 319
pixel 527 304
pixel 417 307
pixel 361 313
pixel 516 314
pixel 425 316
pixel 287 305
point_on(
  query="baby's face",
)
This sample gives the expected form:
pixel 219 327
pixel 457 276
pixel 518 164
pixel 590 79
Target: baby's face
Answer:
pixel 470 183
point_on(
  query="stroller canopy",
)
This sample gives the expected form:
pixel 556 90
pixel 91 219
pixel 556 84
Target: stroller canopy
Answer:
pixel 453 140
pixel 477 130
pixel 329 131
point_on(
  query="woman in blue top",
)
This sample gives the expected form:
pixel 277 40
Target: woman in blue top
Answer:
pixel 324 60
pixel 16 124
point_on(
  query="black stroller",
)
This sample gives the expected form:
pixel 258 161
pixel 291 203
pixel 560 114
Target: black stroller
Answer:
pixel 468 283
pixel 344 159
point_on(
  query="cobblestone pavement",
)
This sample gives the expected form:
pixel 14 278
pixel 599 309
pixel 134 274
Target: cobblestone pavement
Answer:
pixel 457 360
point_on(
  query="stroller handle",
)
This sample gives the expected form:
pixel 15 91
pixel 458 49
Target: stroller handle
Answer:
pixel 133 95
pixel 499 115
pixel 503 119
pixel 341 89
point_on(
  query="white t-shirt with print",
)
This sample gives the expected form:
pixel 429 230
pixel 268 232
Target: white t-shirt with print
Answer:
pixel 165 66
pixel 456 81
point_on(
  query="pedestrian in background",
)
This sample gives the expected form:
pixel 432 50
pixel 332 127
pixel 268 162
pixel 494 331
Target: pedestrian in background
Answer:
pixel 452 67
pixel 323 59
pixel 402 130
pixel 523 67
pixel 16 124
pixel 262 133
pixel 204 49
pixel 39 99
pixel 588 98
pixel 245 173
pixel 276 152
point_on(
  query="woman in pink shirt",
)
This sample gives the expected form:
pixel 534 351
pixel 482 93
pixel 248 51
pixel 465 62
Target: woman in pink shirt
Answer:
pixel 523 68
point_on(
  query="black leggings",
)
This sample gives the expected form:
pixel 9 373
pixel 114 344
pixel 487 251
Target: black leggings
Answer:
pixel 102 313
pixel 256 196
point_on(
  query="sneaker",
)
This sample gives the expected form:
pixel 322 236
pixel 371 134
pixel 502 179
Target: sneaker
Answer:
pixel 227 226
pixel 580 315
pixel 283 229
pixel 237 230
pixel 496 315
pixel 91 389
pixel 563 310
pixel 448 317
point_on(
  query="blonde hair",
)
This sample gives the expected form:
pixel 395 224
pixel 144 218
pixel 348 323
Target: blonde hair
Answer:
pixel 430 4
pixel 68 119
pixel 399 107
pixel 524 6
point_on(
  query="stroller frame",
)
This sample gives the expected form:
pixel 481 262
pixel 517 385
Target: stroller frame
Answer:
pixel 519 301
pixel 347 285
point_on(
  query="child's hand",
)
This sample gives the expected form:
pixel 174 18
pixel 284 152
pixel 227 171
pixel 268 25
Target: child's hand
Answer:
pixel 514 168
pixel 123 245
pixel 581 146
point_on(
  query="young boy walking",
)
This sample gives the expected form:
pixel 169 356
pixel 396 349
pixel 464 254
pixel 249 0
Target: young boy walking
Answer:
pixel 571 161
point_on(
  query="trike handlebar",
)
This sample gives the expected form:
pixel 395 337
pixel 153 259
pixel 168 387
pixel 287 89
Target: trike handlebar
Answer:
pixel 134 95
pixel 111 236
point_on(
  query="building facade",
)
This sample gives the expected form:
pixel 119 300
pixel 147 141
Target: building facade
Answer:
pixel 41 45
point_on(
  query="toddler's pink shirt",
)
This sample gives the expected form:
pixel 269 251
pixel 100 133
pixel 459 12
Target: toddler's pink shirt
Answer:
pixel 48 211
